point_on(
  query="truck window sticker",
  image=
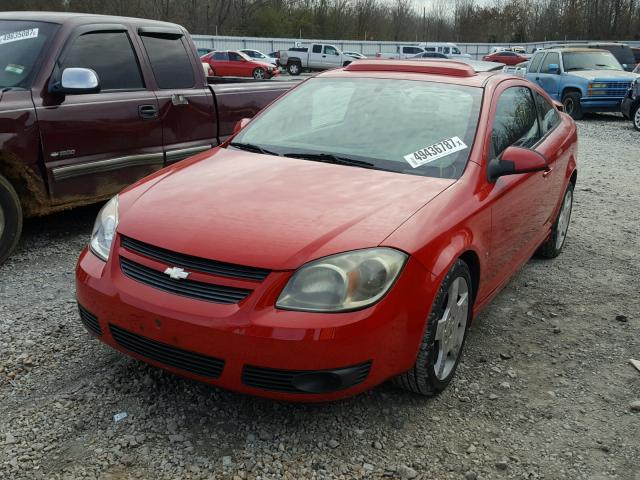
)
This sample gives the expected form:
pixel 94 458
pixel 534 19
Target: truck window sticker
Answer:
pixel 17 36
pixel 435 151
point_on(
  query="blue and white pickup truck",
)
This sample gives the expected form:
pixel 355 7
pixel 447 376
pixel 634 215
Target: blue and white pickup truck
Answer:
pixel 583 79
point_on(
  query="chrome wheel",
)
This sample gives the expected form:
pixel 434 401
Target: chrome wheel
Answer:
pixel 2 221
pixel 451 328
pixel 636 119
pixel 294 69
pixel 563 219
pixel 259 74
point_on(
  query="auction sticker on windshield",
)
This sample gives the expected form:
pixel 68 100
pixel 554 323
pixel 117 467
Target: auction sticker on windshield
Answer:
pixel 16 36
pixel 435 151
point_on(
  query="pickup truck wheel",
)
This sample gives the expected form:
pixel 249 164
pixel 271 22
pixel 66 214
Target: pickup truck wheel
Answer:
pixel 552 246
pixel 572 107
pixel 10 219
pixel 293 68
pixel 259 74
pixel 444 335
pixel 636 118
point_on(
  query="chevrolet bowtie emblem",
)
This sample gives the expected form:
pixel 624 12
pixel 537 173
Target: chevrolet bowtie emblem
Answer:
pixel 176 273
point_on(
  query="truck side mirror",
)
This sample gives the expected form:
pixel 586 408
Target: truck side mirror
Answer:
pixel 75 81
pixel 553 68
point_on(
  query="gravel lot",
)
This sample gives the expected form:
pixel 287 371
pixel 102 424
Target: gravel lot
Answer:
pixel 545 390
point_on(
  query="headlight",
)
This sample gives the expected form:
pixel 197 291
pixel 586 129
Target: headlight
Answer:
pixel 104 230
pixel 597 85
pixel 347 281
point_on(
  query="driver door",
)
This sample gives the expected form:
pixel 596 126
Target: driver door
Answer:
pixel 550 82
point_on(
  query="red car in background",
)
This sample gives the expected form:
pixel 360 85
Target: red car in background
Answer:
pixel 237 64
pixel 316 255
pixel 508 58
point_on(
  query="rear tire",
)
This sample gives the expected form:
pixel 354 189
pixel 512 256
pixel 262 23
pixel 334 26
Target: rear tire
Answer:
pixel 259 73
pixel 10 219
pixel 572 107
pixel 443 340
pixel 294 68
pixel 552 246
pixel 635 118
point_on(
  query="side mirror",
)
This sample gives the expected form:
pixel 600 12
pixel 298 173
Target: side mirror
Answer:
pixel 240 124
pixel 76 81
pixel 553 68
pixel 516 160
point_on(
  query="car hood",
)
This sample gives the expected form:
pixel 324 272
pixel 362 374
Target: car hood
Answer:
pixel 268 211
pixel 603 75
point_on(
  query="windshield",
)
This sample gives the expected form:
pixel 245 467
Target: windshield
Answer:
pixel 455 50
pixel 590 61
pixel 21 44
pixel 404 126
pixel 622 53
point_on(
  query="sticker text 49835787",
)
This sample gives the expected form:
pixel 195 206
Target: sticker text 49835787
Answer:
pixel 435 151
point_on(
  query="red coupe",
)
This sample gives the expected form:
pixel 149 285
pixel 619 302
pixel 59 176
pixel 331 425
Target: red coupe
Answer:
pixel 316 255
pixel 238 64
pixel 508 58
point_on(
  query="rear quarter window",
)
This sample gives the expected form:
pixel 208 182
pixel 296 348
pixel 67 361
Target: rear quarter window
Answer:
pixel 170 61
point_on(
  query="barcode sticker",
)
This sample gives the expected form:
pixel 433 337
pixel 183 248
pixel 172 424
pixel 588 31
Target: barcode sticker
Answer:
pixel 17 36
pixel 435 151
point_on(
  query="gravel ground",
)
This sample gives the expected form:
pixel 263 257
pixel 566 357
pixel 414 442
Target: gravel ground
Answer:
pixel 545 390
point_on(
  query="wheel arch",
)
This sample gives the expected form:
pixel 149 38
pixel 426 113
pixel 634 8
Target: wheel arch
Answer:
pixel 571 89
pixel 26 182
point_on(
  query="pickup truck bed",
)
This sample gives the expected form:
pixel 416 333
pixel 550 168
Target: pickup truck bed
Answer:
pixel 64 144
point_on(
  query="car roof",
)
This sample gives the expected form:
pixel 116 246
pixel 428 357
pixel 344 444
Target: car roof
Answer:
pixel 573 49
pixel 80 18
pixel 432 70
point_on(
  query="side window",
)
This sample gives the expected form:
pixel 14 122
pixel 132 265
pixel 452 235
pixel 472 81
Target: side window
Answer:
pixel 234 57
pixel 553 57
pixel 111 55
pixel 170 61
pixel 220 56
pixel 317 49
pixel 549 117
pixel 329 50
pixel 516 121
pixel 535 62
pixel 446 50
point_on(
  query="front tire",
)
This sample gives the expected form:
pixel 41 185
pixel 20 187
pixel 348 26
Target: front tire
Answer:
pixel 10 219
pixel 635 118
pixel 259 73
pixel 294 68
pixel 572 107
pixel 552 246
pixel 441 347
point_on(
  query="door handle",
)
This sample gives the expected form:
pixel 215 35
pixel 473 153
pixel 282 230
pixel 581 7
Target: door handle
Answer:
pixel 537 78
pixel 324 56
pixel 147 111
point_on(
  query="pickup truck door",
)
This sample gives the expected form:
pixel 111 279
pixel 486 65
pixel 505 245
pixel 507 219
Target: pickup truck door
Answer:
pixel 550 82
pixel 189 122
pixel 331 58
pixel 315 56
pixel 95 144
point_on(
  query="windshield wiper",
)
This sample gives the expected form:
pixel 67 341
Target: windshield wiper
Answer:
pixel 331 158
pixel 250 147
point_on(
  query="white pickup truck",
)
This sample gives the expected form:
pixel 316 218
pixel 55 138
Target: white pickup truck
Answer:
pixel 317 56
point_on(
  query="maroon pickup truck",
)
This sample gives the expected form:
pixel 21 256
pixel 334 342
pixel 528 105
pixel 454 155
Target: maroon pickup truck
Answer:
pixel 92 103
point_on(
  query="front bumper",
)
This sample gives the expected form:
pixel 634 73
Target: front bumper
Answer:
pixel 256 348
pixel 600 104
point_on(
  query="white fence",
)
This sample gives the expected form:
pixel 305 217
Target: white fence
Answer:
pixel 368 48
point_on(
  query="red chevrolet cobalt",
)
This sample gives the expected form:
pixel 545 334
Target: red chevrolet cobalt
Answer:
pixel 349 234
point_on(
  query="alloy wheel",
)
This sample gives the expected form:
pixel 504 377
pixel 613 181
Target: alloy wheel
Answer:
pixel 563 218
pixel 636 119
pixel 451 328
pixel 258 74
